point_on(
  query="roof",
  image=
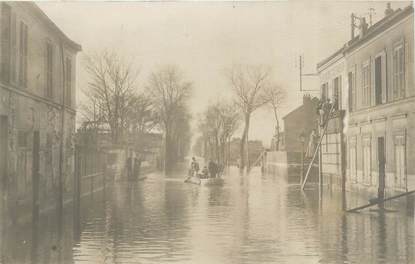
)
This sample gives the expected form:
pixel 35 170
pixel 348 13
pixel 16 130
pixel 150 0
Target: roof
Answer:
pixel 374 30
pixel 380 26
pixel 45 19
pixel 314 102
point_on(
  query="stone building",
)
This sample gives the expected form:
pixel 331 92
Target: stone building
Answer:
pixel 374 72
pixel 37 100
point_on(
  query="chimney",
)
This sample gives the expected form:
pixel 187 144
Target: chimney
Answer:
pixel 363 27
pixel 352 26
pixel 388 10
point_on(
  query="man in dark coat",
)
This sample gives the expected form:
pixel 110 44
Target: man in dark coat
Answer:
pixel 213 169
pixel 137 167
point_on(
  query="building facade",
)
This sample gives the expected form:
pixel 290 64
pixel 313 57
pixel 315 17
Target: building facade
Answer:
pixel 37 104
pixel 378 76
pixel 332 73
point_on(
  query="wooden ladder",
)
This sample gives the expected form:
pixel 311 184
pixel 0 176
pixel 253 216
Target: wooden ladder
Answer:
pixel 318 147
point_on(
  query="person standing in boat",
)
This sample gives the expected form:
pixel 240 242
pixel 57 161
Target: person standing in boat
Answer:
pixel 213 169
pixel 137 167
pixel 194 166
pixel 205 173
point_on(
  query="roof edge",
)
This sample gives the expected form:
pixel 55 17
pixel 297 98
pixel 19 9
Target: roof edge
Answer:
pixel 42 15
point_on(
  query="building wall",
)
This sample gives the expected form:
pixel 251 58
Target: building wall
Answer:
pixel 301 120
pixel 331 142
pixel 28 108
pixel 393 119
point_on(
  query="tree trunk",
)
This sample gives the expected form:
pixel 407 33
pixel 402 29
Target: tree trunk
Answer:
pixel 278 131
pixel 244 143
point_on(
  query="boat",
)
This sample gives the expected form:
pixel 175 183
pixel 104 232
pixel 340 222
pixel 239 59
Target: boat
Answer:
pixel 204 181
pixel 193 180
pixel 212 182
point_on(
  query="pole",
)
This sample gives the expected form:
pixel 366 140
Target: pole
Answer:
pixel 35 195
pixel 320 169
pixel 61 158
pixel 301 73
pixel 343 163
pixel 302 163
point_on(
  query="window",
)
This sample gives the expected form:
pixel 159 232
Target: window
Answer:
pixel 352 92
pixel 68 81
pixel 13 58
pixel 337 92
pixel 49 70
pixel 22 139
pixel 6 20
pixel 378 80
pixel 23 55
pixel 324 91
pixel 353 159
pixel 366 84
pixel 400 161
pixel 398 72
pixel 367 164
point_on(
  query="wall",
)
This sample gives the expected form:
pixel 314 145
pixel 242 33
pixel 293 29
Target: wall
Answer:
pixel 330 145
pixel 389 120
pixel 28 110
pixel 301 120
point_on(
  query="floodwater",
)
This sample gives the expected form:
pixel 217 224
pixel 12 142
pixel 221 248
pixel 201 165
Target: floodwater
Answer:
pixel 253 218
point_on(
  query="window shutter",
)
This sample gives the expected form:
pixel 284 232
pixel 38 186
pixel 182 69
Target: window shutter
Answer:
pixel 406 51
pixel 384 77
pixel 371 93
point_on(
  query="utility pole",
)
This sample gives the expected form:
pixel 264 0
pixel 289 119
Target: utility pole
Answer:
pixel 301 61
pixel 61 159
pixel 301 73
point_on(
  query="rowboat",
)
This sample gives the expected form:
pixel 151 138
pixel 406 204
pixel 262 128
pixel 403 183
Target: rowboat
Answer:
pixel 193 180
pixel 205 182
pixel 212 181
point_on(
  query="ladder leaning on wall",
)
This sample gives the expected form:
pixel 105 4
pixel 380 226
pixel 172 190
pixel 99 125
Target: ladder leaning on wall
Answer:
pixel 326 122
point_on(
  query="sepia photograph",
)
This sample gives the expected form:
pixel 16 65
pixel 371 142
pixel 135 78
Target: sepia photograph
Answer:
pixel 207 132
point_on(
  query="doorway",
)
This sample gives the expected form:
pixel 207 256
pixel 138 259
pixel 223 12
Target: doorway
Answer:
pixel 381 162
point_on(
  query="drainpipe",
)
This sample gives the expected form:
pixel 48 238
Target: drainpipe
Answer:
pixel 61 158
pixel 343 160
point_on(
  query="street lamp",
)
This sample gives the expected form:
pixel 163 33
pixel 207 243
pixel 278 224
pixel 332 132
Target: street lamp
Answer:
pixel 302 140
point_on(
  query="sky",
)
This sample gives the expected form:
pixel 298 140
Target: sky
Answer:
pixel 205 38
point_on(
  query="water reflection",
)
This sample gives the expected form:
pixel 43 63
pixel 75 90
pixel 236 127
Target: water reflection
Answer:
pixel 254 218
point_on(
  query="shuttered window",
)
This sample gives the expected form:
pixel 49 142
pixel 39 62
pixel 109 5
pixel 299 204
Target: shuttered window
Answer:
pixel 353 159
pixel 398 76
pixel 68 82
pixel 400 161
pixel 6 20
pixel 23 55
pixel 367 157
pixel 49 70
pixel 366 93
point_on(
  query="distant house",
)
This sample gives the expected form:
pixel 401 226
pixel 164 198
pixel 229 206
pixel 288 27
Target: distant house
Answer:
pixel 301 120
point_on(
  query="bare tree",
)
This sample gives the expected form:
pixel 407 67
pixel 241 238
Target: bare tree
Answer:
pixel 217 125
pixel 248 84
pixel 169 93
pixel 275 96
pixel 111 91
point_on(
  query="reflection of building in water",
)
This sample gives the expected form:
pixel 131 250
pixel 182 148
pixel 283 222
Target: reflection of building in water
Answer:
pixel 37 80
pixel 372 78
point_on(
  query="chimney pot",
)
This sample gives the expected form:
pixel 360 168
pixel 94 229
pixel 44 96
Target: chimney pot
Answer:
pixel 388 10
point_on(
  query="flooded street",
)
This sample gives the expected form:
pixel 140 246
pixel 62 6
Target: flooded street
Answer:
pixel 251 219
